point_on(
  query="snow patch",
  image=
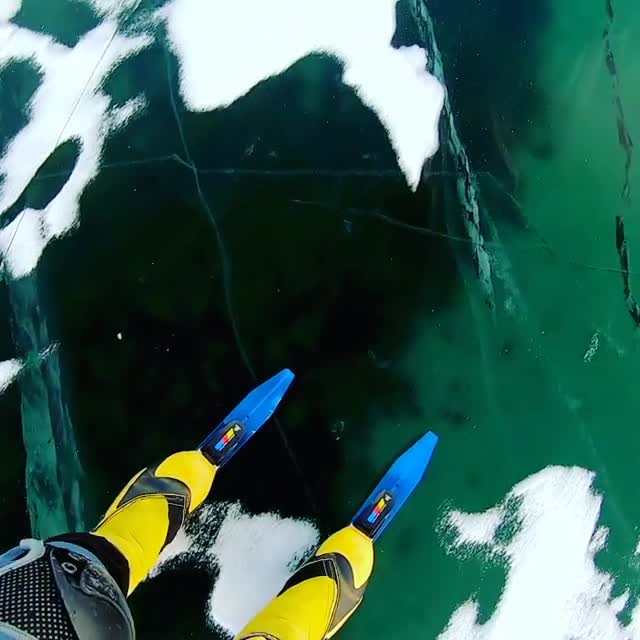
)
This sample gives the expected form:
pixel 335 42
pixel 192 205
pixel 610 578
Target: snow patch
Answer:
pixel 9 9
pixel 217 67
pixel 112 8
pixel 253 555
pixel 120 116
pixel 554 589
pixel 23 250
pixel 68 105
pixel 9 370
pixel 476 528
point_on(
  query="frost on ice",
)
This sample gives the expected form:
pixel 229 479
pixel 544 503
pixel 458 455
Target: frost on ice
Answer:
pixel 554 590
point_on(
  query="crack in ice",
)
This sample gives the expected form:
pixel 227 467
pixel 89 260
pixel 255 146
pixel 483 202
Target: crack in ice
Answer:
pixel 226 278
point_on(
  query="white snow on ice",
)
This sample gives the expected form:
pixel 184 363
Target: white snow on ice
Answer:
pixel 476 528
pixel 9 370
pixel 226 48
pixel 553 589
pixel 9 9
pixel 112 8
pixel 253 554
pixel 68 105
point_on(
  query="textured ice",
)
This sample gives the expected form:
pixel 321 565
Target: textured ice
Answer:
pixel 55 482
pixel 254 555
pixel 68 105
pixel 466 180
pixel 225 49
pixel 554 589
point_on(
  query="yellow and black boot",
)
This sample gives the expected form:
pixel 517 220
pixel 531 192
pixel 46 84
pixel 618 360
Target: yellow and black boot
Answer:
pixel 149 511
pixel 323 594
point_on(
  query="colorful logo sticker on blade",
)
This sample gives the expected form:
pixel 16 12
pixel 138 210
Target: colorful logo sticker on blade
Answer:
pixel 229 436
pixel 379 508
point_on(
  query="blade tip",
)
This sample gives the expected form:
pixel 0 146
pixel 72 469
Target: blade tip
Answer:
pixel 430 436
pixel 285 376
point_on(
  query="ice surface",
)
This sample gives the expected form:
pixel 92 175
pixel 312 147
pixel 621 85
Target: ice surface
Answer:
pixel 554 589
pixel 54 482
pixel 467 188
pixel 254 555
pixel 225 49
